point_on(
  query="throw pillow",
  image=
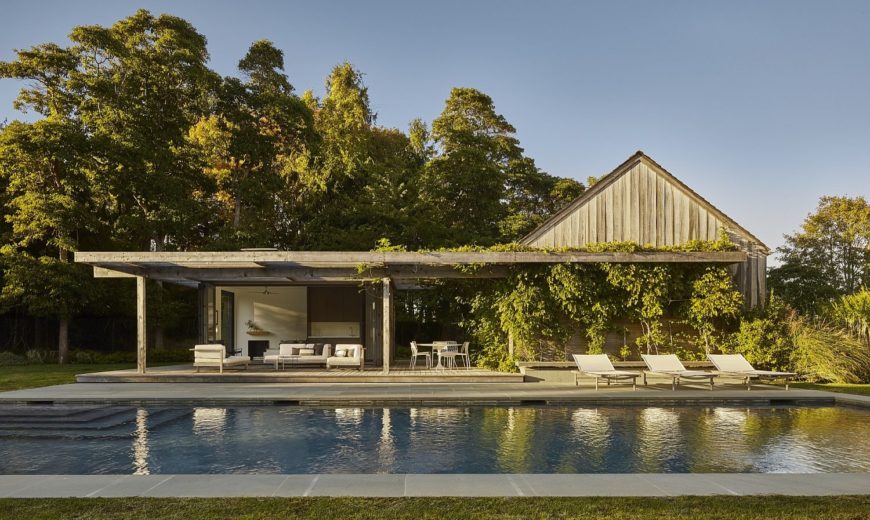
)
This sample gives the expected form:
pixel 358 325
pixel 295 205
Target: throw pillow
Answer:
pixel 306 352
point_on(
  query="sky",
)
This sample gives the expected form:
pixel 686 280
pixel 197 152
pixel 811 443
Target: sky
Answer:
pixel 760 106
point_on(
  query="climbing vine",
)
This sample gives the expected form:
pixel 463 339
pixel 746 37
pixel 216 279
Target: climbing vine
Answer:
pixel 541 307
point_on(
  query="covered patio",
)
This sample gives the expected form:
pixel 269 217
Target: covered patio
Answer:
pixel 321 297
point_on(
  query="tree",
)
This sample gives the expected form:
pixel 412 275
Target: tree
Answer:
pixel 49 196
pixel 50 208
pixel 251 149
pixel 138 87
pixel 829 256
pixel 464 185
pixel 714 300
pixel 480 187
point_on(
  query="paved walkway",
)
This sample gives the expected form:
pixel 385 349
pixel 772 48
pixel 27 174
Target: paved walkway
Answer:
pixel 465 485
pixel 416 394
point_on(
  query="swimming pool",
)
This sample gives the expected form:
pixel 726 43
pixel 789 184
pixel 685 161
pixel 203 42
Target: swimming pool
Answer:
pixel 546 439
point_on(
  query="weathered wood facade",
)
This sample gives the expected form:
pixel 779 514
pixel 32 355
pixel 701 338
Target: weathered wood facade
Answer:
pixel 642 202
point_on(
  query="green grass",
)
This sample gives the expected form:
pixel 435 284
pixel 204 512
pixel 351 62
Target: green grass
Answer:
pixel 835 387
pixel 17 377
pixel 731 508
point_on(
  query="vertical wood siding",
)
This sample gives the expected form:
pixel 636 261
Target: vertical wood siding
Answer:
pixel 641 206
pixel 646 207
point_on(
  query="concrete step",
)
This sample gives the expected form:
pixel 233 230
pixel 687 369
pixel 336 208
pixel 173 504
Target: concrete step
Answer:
pixel 117 426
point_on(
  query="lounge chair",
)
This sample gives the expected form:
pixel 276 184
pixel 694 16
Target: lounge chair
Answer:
pixel 600 367
pixel 216 356
pixel 736 364
pixel 669 365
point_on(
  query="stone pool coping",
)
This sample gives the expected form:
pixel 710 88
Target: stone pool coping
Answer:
pixel 437 485
pixel 420 394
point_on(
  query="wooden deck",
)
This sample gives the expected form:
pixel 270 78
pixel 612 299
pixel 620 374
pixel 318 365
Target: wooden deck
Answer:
pixel 259 373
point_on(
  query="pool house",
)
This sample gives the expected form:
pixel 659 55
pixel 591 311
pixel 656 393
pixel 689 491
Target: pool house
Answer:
pixel 252 300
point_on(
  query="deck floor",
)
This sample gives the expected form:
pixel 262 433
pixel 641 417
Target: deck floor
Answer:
pixel 262 373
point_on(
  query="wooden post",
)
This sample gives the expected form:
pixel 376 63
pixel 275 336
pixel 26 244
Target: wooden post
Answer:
pixel 510 344
pixel 388 322
pixel 140 324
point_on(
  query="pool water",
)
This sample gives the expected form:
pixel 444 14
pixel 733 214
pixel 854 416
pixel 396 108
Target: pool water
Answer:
pixel 277 439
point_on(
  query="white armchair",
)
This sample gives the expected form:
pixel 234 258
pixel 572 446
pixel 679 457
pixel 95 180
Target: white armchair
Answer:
pixel 216 356
pixel 347 355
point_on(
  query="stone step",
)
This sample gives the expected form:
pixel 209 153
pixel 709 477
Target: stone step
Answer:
pixel 123 427
pixel 83 416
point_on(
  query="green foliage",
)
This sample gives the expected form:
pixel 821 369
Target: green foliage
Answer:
pixel 541 307
pixel 647 290
pixel 479 187
pixel 164 355
pixel 818 350
pixel 853 312
pixel 714 299
pixel 765 339
pixel 828 257
pixel 11 359
pixel 823 352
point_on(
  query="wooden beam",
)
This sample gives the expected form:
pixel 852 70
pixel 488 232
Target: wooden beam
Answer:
pixel 102 272
pixel 388 322
pixel 127 261
pixel 254 276
pixel 141 339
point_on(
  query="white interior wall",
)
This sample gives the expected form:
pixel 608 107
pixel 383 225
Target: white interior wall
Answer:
pixel 283 312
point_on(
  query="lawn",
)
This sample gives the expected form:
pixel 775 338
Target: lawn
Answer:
pixel 732 508
pixel 16 377
pixel 836 387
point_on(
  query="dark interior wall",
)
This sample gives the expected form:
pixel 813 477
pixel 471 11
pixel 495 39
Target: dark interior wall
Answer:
pixel 337 303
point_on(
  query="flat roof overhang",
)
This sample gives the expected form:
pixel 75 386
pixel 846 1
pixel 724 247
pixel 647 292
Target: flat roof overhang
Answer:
pixel 313 267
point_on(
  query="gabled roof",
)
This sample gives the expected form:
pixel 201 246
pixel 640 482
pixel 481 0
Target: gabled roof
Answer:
pixel 618 172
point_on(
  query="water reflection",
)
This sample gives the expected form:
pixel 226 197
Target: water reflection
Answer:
pixel 209 421
pixel 272 439
pixel 659 440
pixel 140 443
pixel 386 446
pixel 348 416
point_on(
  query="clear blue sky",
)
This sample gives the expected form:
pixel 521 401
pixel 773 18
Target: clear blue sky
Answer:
pixel 761 106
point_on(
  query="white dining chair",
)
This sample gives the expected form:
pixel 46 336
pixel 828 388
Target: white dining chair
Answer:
pixel 415 353
pixel 448 351
pixel 463 353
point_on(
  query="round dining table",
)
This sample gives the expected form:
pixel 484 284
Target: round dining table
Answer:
pixel 439 343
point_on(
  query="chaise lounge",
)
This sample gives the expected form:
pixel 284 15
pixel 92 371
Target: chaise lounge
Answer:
pixel 736 364
pixel 671 366
pixel 215 355
pixel 600 367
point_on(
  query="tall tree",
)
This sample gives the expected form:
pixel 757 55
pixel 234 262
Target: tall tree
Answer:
pixel 50 208
pixel 344 122
pixel 48 185
pixel 138 87
pixel 828 257
pixel 253 147
pixel 480 187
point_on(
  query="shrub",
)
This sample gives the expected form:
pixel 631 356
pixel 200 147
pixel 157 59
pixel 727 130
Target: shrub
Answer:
pixel 824 352
pixel 853 312
pixel 125 356
pixel 41 356
pixel 764 342
pixel 11 358
pixel 765 339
